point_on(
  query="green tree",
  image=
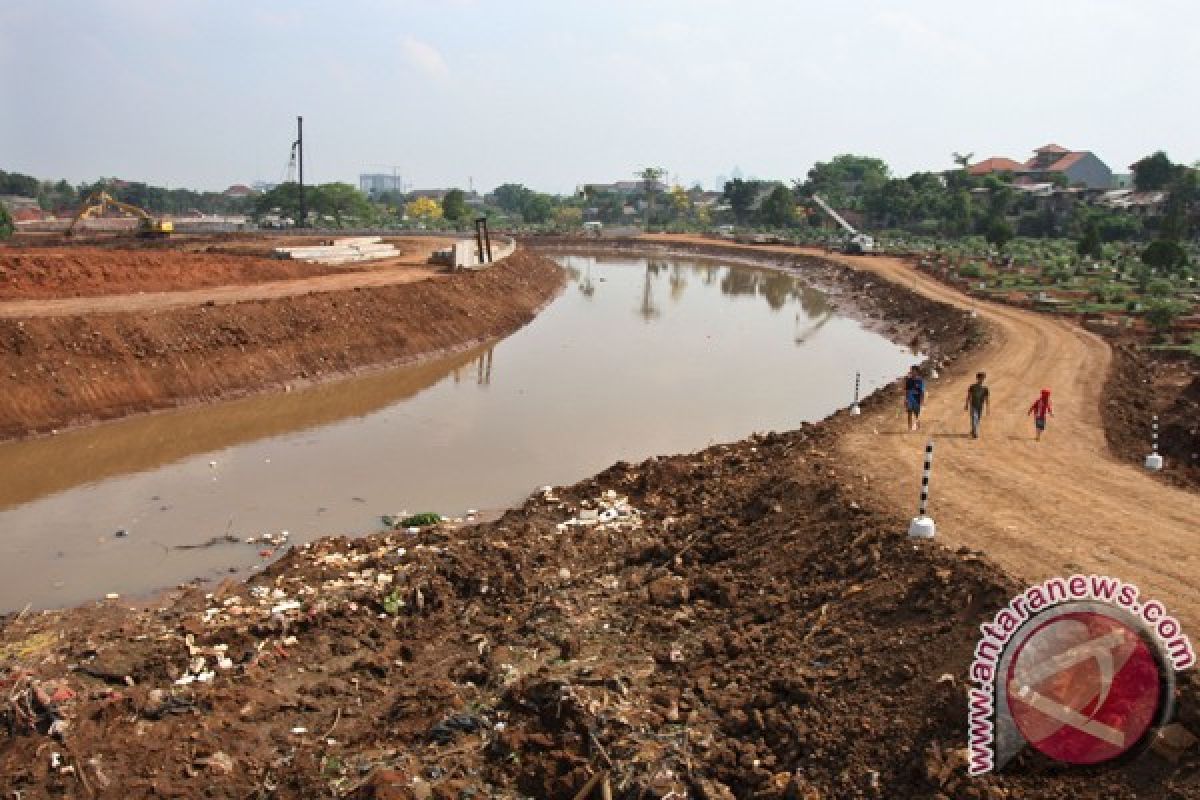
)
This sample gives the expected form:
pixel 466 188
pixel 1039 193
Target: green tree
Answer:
pixel 740 194
pixel 1090 245
pixel 341 201
pixel 779 208
pixel 6 223
pixel 1160 288
pixel 511 197
pixel 999 233
pixel 537 208
pixel 284 199
pixel 1166 255
pixel 1153 172
pixel 568 217
pixel 19 184
pixel 454 205
pixel 846 179
pixel 1161 315
pixel 651 176
pixel 958 214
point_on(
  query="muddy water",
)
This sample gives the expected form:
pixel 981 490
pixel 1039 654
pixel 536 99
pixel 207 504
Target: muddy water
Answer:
pixel 637 357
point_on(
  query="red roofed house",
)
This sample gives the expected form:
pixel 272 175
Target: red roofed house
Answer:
pixel 996 164
pixel 1079 167
pixel 239 190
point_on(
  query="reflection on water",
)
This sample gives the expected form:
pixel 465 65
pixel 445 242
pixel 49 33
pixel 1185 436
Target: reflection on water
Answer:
pixel 639 357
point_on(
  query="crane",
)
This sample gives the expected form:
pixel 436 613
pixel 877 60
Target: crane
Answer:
pixel 148 226
pixel 858 242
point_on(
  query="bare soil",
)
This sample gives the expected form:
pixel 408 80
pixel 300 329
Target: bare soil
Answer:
pixel 757 630
pixel 1143 384
pixel 759 627
pixel 45 272
pixel 70 368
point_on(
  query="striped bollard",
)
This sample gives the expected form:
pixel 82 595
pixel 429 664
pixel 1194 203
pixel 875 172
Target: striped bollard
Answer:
pixel 922 526
pixel 1154 462
pixel 854 409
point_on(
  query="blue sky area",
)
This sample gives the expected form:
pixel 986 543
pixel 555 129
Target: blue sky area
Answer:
pixel 204 93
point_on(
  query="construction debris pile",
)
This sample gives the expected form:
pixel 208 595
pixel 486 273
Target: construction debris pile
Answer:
pixel 347 250
pixel 737 622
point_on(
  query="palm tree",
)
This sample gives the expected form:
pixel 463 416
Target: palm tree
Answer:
pixel 650 177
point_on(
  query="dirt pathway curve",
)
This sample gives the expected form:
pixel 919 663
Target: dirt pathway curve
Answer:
pixel 1038 509
pixel 407 268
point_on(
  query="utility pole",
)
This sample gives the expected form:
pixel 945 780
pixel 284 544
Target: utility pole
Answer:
pixel 300 147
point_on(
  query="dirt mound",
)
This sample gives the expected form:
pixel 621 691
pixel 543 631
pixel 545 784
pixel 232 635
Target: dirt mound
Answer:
pixel 71 369
pixel 734 623
pixel 1143 384
pixel 46 272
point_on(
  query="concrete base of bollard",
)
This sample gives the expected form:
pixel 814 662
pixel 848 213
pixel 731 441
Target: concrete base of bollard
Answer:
pixel 1154 462
pixel 855 410
pixel 921 528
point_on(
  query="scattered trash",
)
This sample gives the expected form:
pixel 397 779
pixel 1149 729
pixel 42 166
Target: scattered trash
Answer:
pixel 609 512
pixel 449 729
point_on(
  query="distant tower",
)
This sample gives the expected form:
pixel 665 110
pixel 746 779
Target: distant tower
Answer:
pixel 737 173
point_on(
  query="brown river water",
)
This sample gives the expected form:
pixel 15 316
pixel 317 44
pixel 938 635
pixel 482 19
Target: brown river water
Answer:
pixel 637 357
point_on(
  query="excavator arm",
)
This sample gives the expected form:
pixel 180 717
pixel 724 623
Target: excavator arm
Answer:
pixel 99 200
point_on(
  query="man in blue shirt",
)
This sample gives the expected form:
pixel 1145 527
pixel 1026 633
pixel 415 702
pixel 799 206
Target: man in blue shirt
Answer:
pixel 914 397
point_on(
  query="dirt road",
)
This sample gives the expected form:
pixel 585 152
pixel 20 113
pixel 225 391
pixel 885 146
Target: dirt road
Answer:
pixel 410 267
pixel 1038 509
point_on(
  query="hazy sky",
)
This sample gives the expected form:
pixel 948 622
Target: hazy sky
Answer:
pixel 552 93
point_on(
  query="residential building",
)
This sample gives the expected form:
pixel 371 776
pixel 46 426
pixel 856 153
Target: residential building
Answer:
pixel 1080 168
pixel 1144 204
pixel 994 165
pixel 376 182
pixel 238 190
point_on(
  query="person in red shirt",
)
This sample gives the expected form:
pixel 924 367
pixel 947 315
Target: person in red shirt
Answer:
pixel 1040 410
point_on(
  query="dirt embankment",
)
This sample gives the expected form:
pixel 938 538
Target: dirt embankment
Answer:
pixel 755 629
pixel 1141 385
pixel 71 369
pixel 45 272
pixel 743 622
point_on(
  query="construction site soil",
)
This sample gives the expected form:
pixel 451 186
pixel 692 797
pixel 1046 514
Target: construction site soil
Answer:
pixel 77 368
pixel 742 622
pixel 44 272
pixel 1143 383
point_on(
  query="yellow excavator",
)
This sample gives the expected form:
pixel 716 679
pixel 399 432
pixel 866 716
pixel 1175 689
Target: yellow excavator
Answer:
pixel 147 226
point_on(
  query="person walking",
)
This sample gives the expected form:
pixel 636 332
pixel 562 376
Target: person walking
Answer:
pixel 977 402
pixel 1040 410
pixel 914 397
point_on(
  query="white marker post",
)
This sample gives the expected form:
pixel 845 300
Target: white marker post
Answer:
pixel 1154 462
pixel 922 526
pixel 854 409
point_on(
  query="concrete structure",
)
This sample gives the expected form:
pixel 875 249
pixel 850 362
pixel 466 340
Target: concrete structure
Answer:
pixel 347 250
pixel 376 182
